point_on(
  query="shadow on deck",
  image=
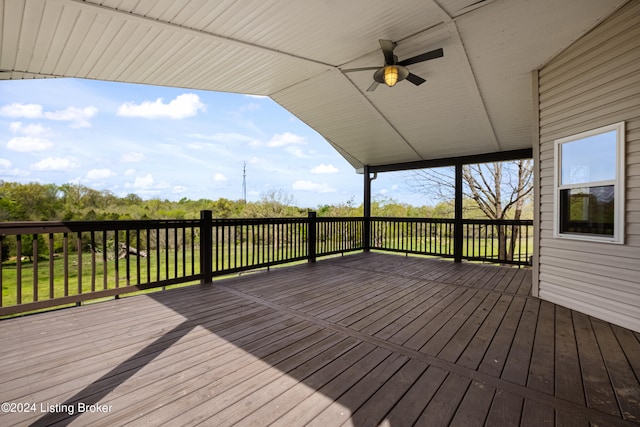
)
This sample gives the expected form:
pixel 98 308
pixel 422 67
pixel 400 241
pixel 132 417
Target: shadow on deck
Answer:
pixel 360 340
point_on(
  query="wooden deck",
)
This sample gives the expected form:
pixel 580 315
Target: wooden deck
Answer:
pixel 362 340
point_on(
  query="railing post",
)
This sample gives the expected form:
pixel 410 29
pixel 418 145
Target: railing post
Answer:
pixel 458 226
pixel 366 234
pixel 206 247
pixel 311 237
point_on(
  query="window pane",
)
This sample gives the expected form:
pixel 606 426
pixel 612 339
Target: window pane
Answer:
pixel 589 159
pixel 588 210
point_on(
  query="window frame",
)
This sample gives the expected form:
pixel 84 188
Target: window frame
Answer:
pixel 618 182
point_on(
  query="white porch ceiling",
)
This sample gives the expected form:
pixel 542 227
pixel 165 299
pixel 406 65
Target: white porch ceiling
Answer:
pixel 477 98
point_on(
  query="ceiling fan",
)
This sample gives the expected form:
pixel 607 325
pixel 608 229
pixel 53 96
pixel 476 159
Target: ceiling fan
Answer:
pixel 393 70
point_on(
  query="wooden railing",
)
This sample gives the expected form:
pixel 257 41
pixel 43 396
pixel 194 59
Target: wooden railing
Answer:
pixel 499 241
pixel 59 263
pixel 413 235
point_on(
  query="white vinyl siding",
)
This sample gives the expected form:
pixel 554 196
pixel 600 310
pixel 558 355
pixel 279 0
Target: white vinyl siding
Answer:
pixel 593 83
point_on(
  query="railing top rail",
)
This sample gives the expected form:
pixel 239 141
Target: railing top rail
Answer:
pixel 451 220
pixel 340 219
pixel 249 221
pixel 43 227
pixel 405 219
pixel 499 221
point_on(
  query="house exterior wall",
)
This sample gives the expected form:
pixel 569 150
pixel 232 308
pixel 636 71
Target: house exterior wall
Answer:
pixel 593 83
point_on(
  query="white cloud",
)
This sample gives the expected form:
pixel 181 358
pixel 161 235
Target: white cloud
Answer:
pixel 129 172
pixel 322 168
pixel 27 144
pixel 142 182
pixel 149 187
pixel 29 130
pixel 179 189
pixel 27 111
pixel 7 170
pixel 79 117
pixel 223 137
pixel 54 164
pixel 297 152
pixel 219 177
pixel 313 186
pixel 132 157
pixel 256 96
pixel 287 138
pixel 146 184
pixel 100 173
pixel 252 106
pixel 183 106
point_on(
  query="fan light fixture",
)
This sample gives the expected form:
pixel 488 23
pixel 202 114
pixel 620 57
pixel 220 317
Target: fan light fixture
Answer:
pixel 390 75
pixel 394 71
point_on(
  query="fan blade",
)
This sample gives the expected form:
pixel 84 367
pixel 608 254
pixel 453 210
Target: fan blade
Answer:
pixel 387 47
pixel 416 80
pixel 373 87
pixel 351 70
pixel 438 53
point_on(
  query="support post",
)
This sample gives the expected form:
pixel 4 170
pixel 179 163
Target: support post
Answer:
pixel 206 247
pixel 457 225
pixel 366 232
pixel 311 237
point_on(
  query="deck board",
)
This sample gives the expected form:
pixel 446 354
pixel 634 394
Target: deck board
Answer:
pixel 358 340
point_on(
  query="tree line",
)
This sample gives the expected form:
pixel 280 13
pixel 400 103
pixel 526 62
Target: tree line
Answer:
pixel 76 202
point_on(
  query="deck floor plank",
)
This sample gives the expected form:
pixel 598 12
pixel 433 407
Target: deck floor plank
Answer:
pixel 475 406
pixel 568 380
pixel 375 409
pixel 442 408
pixel 410 406
pixel 535 414
pixel 416 334
pixel 516 368
pixel 542 365
pixel 477 348
pixel 622 377
pixel 358 340
pixel 375 323
pixel 340 411
pixel 457 341
pixel 630 344
pixel 310 408
pixel 496 355
pixel 506 409
pixel 598 391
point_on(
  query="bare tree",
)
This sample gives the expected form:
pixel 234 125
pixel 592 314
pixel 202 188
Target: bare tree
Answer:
pixel 498 189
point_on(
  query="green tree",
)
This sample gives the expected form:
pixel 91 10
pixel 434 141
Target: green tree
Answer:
pixel 500 190
pixel 34 201
pixel 273 204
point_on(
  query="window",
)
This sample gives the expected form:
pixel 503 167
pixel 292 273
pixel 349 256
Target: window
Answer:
pixel 589 185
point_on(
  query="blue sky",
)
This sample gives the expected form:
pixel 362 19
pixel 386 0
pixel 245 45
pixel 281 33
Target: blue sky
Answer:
pixel 170 143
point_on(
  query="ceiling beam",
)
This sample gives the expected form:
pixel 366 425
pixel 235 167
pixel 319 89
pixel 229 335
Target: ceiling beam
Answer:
pixel 498 156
